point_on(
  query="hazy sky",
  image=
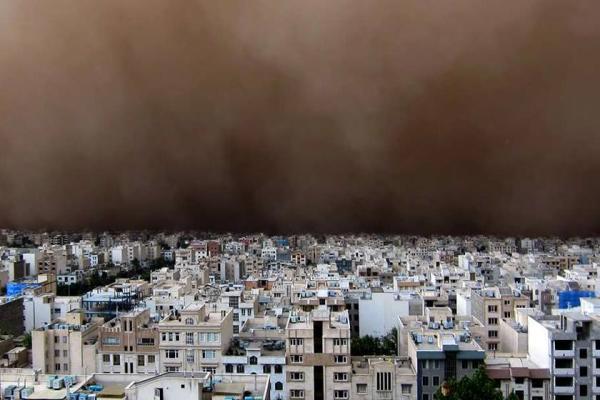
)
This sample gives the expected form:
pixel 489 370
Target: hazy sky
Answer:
pixel 403 116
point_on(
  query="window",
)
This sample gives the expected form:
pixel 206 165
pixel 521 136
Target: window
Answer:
pixel 436 381
pixel 278 369
pixel 361 388
pixel 171 353
pixel 296 359
pixel 278 386
pixel 65 367
pixel 106 358
pixel 537 383
pixel 340 377
pixel 189 321
pixel 340 342
pixel 151 359
pixel 493 346
pixel 583 390
pixel 57 367
pixel 493 334
pixel 406 388
pixel 296 342
pixel 583 371
pixel 208 354
pixel 465 364
pixel 56 353
pixel 563 381
pixel 146 342
pixel 425 397
pixel 492 321
pixel 229 368
pixel 583 353
pixel 171 369
pixel 297 394
pixel 563 363
pixel 253 360
pixel 141 361
pixel 297 376
pixel 506 314
pixel 240 368
pixel 384 381
pixel 340 394
pixel 266 369
pixel 189 356
pixel 436 364
pixel 519 380
pixel 563 345
pixel 492 308
pixel 116 359
pixel 64 339
pixel 189 338
pixel 425 381
pixel 341 359
pixel 65 353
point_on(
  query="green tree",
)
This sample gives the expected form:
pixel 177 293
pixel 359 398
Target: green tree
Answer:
pixel 512 396
pixel 27 340
pixel 474 387
pixel 376 346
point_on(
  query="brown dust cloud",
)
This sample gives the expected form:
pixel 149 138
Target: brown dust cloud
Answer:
pixel 449 117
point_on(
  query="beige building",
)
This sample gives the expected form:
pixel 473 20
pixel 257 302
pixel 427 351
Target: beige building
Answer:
pixel 490 305
pixel 128 344
pixel 67 346
pixel 318 355
pixel 383 378
pixel 195 338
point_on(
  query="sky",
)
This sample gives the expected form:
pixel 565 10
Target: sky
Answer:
pixel 420 117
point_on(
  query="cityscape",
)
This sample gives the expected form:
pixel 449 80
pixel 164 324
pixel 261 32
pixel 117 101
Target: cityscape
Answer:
pixel 299 200
pixel 223 316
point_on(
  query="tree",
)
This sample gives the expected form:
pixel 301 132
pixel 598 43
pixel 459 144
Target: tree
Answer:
pixel 386 345
pixel 512 396
pixel 27 340
pixel 474 387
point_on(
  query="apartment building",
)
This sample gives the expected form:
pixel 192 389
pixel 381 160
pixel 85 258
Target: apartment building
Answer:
pixel 569 346
pixel 383 378
pixel 128 344
pixel 519 375
pixel 122 295
pixel 490 305
pixel 260 349
pixel 195 338
pixel 318 355
pixel 244 305
pixel 40 310
pixel 440 348
pixel 66 346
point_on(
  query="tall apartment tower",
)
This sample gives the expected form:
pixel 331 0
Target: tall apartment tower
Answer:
pixel 318 355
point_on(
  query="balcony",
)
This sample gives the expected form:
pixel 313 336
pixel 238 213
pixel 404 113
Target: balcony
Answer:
pixel 564 353
pixel 564 371
pixel 564 389
pixel 384 395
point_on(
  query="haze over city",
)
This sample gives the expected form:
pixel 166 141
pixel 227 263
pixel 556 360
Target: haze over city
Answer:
pixel 455 117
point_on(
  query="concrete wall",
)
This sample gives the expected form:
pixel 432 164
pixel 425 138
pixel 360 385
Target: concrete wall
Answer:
pixel 539 344
pixel 379 315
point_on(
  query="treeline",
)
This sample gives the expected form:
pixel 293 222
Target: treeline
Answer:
pixel 99 278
